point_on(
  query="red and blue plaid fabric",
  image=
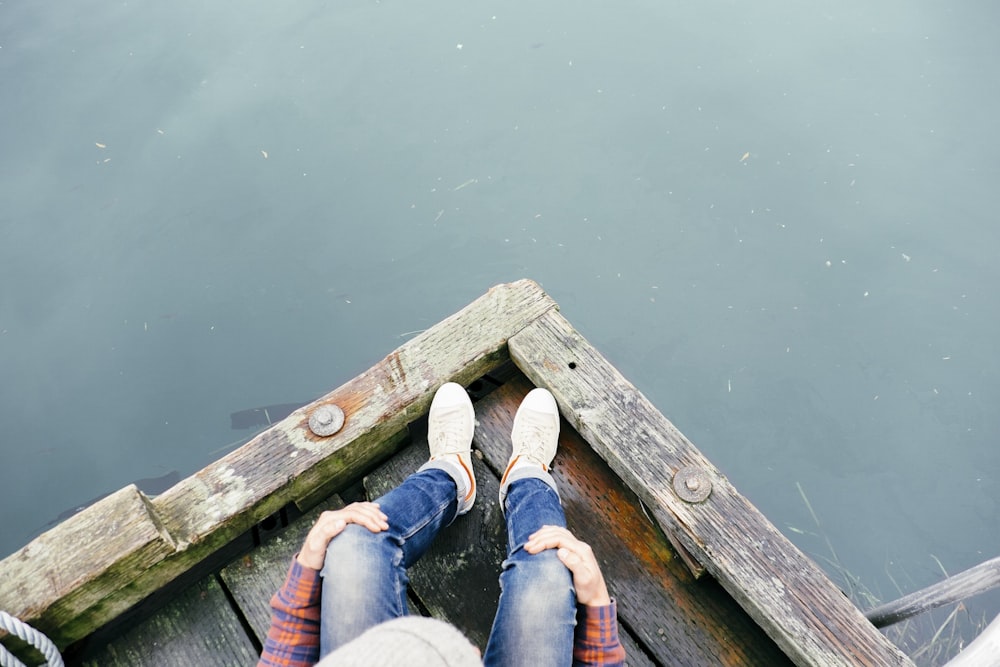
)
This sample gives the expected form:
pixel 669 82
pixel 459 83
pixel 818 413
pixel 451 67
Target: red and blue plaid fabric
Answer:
pixel 293 640
pixel 596 642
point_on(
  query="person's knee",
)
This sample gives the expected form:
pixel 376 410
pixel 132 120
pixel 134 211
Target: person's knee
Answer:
pixel 547 585
pixel 551 573
pixel 349 551
pixel 362 585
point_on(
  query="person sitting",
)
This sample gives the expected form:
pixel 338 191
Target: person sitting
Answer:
pixel 344 600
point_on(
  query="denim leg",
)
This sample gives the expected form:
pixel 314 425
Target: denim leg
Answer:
pixel 364 575
pixel 536 616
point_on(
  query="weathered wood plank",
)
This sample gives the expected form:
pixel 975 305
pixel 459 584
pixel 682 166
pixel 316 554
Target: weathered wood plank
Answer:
pixel 635 656
pixel 977 579
pixel 253 579
pixel 198 627
pixel 784 591
pixel 681 620
pixel 457 579
pixel 286 463
pixel 72 566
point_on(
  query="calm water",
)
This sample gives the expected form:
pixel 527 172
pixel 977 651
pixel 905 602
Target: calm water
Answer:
pixel 777 219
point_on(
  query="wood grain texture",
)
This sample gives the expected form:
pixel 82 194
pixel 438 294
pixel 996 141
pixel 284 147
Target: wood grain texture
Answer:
pixel 70 568
pixel 965 584
pixel 286 463
pixel 198 627
pixel 784 591
pixel 680 620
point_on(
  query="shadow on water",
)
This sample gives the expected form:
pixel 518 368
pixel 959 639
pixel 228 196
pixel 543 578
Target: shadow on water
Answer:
pixel 263 416
pixel 151 486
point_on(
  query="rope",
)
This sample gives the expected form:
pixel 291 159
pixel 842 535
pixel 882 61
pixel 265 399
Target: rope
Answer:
pixel 20 629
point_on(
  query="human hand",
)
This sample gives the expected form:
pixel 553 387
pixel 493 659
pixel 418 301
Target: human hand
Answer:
pixel 332 523
pixel 579 558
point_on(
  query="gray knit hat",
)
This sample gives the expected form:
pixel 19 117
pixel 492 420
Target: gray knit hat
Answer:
pixel 413 641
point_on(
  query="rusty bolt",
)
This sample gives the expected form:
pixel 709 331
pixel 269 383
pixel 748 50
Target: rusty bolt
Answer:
pixel 692 484
pixel 326 420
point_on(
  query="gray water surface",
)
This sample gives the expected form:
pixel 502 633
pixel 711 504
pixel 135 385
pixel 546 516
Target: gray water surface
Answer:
pixel 777 219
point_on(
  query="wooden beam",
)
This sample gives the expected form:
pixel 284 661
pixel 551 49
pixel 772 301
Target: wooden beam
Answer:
pixel 679 620
pixel 977 579
pixel 286 463
pixel 784 591
pixel 75 564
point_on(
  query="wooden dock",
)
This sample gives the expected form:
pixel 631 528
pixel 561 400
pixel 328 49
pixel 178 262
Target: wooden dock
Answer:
pixel 186 578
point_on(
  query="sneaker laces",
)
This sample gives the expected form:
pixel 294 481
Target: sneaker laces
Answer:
pixel 449 436
pixel 535 436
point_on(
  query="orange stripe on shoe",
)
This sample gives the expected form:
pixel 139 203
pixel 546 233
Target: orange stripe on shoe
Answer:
pixel 510 466
pixel 472 478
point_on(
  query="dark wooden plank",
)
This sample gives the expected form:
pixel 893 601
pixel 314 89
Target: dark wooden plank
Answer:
pixel 682 621
pixel 286 463
pixel 785 592
pixel 457 579
pixel 635 655
pixel 198 627
pixel 253 579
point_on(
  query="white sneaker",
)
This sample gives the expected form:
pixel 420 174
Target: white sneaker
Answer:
pixel 450 426
pixel 535 436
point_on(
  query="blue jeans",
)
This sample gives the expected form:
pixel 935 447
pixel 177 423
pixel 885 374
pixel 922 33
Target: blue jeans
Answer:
pixel 364 578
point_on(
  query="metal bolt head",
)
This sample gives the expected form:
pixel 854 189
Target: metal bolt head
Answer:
pixel 692 484
pixel 326 420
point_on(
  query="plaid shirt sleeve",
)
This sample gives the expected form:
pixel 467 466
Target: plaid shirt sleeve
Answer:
pixel 596 642
pixel 293 639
